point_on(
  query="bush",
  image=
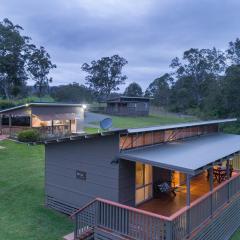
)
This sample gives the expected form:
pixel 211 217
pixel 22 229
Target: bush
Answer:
pixel 28 136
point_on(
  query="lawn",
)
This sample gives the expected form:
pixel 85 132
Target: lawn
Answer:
pixel 236 236
pixel 135 122
pixel 23 215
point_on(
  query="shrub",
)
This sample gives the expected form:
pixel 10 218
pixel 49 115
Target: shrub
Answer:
pixel 28 136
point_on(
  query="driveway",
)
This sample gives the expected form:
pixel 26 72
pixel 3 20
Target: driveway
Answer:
pixel 91 117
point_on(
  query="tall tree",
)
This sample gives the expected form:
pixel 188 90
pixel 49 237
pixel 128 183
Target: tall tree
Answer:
pixel 105 75
pixel 230 91
pixel 133 90
pixel 159 90
pixel 39 68
pixel 14 49
pixel 198 68
pixel 233 52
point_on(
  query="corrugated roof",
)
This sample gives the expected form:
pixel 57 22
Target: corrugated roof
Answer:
pixel 188 155
pixel 179 125
pixel 41 104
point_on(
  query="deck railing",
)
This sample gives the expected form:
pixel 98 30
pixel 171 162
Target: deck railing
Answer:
pixel 139 224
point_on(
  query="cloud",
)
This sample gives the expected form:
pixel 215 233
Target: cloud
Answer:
pixel 148 33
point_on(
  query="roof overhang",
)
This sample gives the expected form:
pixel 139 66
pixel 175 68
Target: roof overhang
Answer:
pixel 190 156
pixel 9 110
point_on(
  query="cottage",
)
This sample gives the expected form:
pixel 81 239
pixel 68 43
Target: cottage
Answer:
pixel 50 119
pixel 163 182
pixel 128 106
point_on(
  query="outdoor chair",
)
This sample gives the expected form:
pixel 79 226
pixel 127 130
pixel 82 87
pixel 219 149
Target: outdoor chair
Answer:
pixel 167 187
pixel 220 173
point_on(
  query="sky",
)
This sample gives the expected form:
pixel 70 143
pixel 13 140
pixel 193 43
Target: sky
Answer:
pixel 148 33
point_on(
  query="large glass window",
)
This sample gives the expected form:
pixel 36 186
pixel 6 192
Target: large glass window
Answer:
pixel 143 182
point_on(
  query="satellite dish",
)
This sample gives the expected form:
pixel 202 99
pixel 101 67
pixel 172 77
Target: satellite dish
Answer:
pixel 106 123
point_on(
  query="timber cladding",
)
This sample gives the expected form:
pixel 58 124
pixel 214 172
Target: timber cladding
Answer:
pixel 91 158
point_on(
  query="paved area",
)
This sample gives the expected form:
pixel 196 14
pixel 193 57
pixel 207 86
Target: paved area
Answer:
pixel 91 118
pixel 3 137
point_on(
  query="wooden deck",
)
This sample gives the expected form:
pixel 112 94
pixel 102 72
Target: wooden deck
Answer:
pixel 167 205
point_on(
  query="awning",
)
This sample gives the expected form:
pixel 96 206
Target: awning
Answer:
pixel 189 155
pixel 58 116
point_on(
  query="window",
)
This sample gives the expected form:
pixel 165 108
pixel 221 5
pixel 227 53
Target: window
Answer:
pixel 143 182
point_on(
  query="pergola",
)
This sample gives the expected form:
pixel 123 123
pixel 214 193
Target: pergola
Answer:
pixel 190 156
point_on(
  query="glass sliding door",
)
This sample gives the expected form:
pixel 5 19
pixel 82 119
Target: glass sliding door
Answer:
pixel 143 180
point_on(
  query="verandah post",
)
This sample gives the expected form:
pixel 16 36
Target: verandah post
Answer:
pixel 211 187
pixel 52 126
pixel 10 124
pixel 188 204
pixel 228 177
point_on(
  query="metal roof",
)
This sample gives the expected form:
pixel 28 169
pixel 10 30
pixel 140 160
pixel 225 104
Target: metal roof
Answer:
pixel 139 130
pixel 179 125
pixel 83 136
pixel 41 104
pixel 189 155
pixel 128 99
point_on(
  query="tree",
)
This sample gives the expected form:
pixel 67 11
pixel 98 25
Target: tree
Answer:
pixel 199 68
pixel 159 90
pixel 14 49
pixel 105 74
pixel 133 90
pixel 39 67
pixel 72 92
pixel 233 52
pixel 230 92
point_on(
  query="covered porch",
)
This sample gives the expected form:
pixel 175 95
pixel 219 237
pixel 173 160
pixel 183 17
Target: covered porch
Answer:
pixel 205 163
pixel 168 204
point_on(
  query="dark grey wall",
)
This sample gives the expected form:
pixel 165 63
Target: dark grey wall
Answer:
pixel 93 156
pixel 127 182
pixel 129 109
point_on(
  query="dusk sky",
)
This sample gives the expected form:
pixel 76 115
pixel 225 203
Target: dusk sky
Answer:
pixel 148 33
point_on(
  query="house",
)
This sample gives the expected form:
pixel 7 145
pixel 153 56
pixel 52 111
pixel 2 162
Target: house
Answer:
pixel 157 183
pixel 50 119
pixel 128 106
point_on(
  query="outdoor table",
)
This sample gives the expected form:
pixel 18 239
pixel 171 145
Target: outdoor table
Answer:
pixel 220 173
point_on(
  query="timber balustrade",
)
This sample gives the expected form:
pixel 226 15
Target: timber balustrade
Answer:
pixel 139 224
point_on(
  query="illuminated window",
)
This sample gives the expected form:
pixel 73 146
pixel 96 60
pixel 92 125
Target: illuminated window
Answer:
pixel 143 182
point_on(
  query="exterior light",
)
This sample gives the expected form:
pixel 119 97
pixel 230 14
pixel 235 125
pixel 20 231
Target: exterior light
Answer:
pixel 84 106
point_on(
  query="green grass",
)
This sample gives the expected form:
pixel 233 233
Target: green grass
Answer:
pixel 90 130
pixel 135 122
pixel 23 215
pixel 236 235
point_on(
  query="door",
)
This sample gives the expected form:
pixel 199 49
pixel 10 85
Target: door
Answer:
pixel 178 178
pixel 143 183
